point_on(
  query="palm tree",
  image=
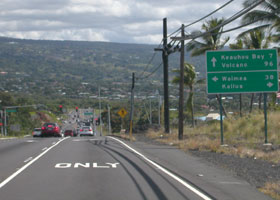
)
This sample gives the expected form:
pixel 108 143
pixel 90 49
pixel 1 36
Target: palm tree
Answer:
pixel 211 41
pixel 257 38
pixel 268 15
pixel 189 81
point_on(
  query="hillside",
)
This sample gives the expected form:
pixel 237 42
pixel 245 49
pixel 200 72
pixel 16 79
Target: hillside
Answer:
pixel 73 68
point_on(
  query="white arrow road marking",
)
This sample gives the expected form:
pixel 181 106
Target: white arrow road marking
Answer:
pixel 270 84
pixel 215 78
pixel 213 60
pixel 187 185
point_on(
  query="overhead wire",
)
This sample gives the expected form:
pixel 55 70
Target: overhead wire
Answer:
pixel 202 18
pixel 232 18
pixel 149 63
pixel 249 23
pixel 243 25
pixel 151 73
pixel 209 14
pixel 235 16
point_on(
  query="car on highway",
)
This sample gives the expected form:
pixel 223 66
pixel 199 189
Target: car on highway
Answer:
pixel 50 129
pixel 71 133
pixel 86 131
pixel 36 132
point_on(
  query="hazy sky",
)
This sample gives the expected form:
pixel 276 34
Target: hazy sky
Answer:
pixel 125 21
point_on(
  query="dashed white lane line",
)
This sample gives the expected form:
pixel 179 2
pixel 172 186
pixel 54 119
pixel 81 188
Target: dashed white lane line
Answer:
pixel 185 184
pixel 7 180
pixel 80 140
pixel 11 138
pixel 28 159
pixel 30 141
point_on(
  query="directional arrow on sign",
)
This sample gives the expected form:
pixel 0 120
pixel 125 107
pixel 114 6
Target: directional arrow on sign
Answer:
pixel 215 78
pixel 214 61
pixel 270 84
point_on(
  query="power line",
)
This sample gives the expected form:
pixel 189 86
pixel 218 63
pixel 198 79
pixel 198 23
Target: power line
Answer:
pixel 151 73
pixel 232 18
pixel 208 14
pixel 178 32
pixel 249 23
pixel 149 63
pixel 192 23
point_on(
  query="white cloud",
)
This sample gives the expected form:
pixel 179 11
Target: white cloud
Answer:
pixel 137 21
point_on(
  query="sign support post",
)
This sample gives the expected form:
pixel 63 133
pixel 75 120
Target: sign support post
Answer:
pixel 221 120
pixel 242 71
pixel 265 116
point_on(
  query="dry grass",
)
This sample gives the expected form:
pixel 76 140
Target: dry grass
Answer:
pixel 272 189
pixel 124 136
pixel 245 137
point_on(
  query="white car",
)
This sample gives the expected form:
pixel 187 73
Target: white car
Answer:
pixel 86 131
pixel 37 132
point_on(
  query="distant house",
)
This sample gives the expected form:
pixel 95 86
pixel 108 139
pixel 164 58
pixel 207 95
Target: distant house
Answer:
pixel 213 116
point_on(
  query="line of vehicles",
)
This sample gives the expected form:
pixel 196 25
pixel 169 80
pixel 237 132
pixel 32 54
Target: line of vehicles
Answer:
pixel 54 130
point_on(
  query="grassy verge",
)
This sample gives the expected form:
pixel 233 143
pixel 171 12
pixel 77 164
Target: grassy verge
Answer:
pixel 244 136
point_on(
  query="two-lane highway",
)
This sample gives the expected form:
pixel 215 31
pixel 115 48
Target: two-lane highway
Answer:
pixel 108 168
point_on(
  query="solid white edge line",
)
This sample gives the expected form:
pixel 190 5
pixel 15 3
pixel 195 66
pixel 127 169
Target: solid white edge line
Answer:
pixel 196 191
pixel 7 180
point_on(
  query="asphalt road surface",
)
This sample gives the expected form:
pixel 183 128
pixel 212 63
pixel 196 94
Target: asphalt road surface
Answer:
pixel 108 168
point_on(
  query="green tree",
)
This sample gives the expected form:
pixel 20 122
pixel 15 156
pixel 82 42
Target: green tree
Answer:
pixel 257 38
pixel 211 41
pixel 268 15
pixel 189 81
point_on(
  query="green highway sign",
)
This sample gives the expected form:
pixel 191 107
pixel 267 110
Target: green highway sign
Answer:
pixel 11 110
pixel 241 60
pixel 242 82
pixel 242 71
pixel 88 113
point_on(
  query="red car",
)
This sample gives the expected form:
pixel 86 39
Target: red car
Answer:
pixel 50 129
pixel 70 133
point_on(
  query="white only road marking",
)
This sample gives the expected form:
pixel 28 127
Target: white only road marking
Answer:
pixel 7 180
pixel 190 187
pixel 28 159
pixel 85 165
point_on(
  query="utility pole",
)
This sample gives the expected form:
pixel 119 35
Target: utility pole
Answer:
pixel 159 105
pixel 1 118
pixel 94 122
pixel 181 87
pixel 1 121
pixel 131 106
pixel 150 111
pixel 100 116
pixel 109 120
pixel 5 121
pixel 165 76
